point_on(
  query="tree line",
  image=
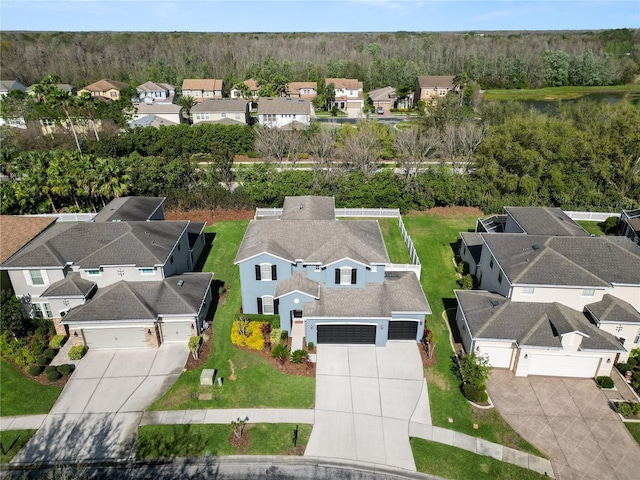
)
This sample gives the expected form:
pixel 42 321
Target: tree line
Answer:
pixel 493 59
pixel 584 157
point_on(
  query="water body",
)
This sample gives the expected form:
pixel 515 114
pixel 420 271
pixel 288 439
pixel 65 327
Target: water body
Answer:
pixel 551 106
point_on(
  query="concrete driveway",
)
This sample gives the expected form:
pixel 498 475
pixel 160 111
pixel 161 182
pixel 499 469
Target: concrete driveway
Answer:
pixel 365 397
pixel 569 420
pixel 97 414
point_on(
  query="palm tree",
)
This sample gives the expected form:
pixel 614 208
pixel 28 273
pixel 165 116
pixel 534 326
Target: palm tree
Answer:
pixel 187 103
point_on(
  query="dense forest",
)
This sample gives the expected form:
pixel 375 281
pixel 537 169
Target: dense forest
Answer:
pixel 493 59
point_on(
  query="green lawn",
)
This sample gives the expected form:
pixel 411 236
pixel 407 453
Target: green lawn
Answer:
pixel 158 441
pixel 12 441
pixel 455 463
pixel 393 240
pixel 434 238
pixel 556 93
pixel 592 227
pixel 634 428
pixel 19 395
pixel 256 383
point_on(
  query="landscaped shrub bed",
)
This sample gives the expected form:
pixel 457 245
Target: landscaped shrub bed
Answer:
pixel 605 382
pixel 633 366
pixel 273 320
pixel 57 341
pixel 77 352
pixel 245 333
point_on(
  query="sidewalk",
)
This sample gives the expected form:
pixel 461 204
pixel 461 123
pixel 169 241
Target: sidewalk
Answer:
pixel 225 416
pixel 22 422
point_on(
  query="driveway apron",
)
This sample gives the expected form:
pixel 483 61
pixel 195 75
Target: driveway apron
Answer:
pixel 97 414
pixel 365 397
pixel 569 420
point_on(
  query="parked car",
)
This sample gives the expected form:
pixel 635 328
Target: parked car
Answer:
pixel 380 111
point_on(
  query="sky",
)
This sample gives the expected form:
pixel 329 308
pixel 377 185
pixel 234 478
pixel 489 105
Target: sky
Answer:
pixel 316 16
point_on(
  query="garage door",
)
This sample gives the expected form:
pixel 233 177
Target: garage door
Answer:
pixel 563 366
pixel 176 332
pixel 499 357
pixel 115 337
pixel 347 334
pixel 403 330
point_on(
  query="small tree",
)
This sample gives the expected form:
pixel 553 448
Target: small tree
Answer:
pixel 12 319
pixel 475 370
pixel 428 342
pixel 237 426
pixel 194 346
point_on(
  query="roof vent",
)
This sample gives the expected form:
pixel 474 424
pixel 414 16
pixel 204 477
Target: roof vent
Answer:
pixel 180 283
pixel 495 303
pixel 536 247
pixel 301 206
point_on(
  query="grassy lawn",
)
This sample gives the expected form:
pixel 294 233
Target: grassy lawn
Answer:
pixel 592 227
pixel 557 93
pixel 463 465
pixel 256 383
pixel 157 441
pixel 19 395
pixel 634 428
pixel 12 441
pixel 434 238
pixel 393 240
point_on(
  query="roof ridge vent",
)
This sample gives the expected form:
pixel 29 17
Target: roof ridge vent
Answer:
pixel 495 303
pixel 536 247
pixel 180 283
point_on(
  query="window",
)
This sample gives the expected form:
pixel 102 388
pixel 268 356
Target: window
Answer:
pixel 500 277
pixel 588 292
pixel 37 310
pixel 318 268
pixel 528 290
pixel 147 271
pixel 346 276
pixel 93 272
pixel 491 262
pixel 297 314
pixel 223 115
pixel 114 94
pixel 637 339
pixel 442 93
pixel 42 310
pixel 374 268
pixel 36 276
pixel 267 305
pixel 266 272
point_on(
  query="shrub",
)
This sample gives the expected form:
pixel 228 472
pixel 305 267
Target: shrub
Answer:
pixel 276 336
pixel 280 352
pixel 50 369
pixel 53 376
pixel 194 346
pixel 628 409
pixel 605 382
pixel 273 320
pixel 35 370
pixel 474 394
pixel 310 346
pixel 28 355
pixel 57 341
pixel 64 369
pixel 247 335
pixel 49 353
pixel 284 336
pixel 299 356
pixel 610 225
pixel 43 361
pixel 77 352
pixel 266 330
pixel 466 282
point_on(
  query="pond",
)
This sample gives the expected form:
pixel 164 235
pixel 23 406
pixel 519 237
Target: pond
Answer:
pixel 551 106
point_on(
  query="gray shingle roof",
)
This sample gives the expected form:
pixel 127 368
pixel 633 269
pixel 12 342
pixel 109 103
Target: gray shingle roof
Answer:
pixel 529 323
pixel 400 292
pixel 474 243
pixel 126 301
pixel 298 106
pixel 545 221
pixel 221 105
pixel 297 281
pixel 570 261
pixel 308 208
pixel 70 286
pixel 91 245
pixel 613 310
pixel 129 209
pixel 194 230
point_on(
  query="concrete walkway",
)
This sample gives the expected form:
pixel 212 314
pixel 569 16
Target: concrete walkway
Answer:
pixel 22 422
pixel 225 416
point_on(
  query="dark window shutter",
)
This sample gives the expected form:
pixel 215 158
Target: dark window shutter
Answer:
pixel 276 304
pixel 259 306
pixel 274 272
pixel 354 276
pixel 337 276
pixel 257 272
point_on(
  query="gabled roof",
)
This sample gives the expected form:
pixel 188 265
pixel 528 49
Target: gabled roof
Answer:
pixel 206 84
pixel 308 207
pixel 492 316
pixel 194 230
pixel 613 310
pixel 545 221
pixel 382 94
pixel 293 88
pixel 435 81
pixel 61 86
pixel 73 285
pixel 129 209
pixel 105 85
pixel 400 292
pixel 16 232
pixel 91 245
pixel 8 85
pixel 569 261
pixel 144 300
pixel 157 108
pixel 474 243
pixel 283 106
pixel 219 105
pixel 298 281
pixel 151 121
pixel 347 83
pixel 155 87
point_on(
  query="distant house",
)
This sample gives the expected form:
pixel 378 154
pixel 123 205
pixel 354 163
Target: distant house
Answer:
pixel 230 111
pixel 202 88
pixel 12 121
pixel 348 96
pixel 151 92
pixel 302 90
pixel 630 225
pixel 383 98
pixel 532 220
pixel 430 88
pixel 61 86
pixel 285 112
pixel 253 89
pixel 165 113
pixel 104 88
pixel 7 85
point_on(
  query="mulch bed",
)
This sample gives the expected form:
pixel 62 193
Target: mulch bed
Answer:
pixel 300 369
pixel 205 350
pixel 427 362
pixel 42 378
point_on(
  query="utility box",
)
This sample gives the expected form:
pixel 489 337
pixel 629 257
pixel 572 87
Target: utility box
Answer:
pixel 207 376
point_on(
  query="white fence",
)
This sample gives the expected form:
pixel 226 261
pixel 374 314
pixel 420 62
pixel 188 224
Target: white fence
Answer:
pixel 592 216
pixel 366 213
pixel 66 217
pixel 403 267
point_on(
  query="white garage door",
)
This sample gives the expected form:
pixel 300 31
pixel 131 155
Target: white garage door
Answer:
pixel 126 337
pixel 499 357
pixel 176 332
pixel 563 366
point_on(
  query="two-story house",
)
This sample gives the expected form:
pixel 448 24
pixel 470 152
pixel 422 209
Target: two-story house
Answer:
pixel 7 85
pixel 253 87
pixel 202 88
pixel 151 92
pixel 302 90
pixel 629 225
pixel 104 88
pixel 277 112
pixel 69 273
pixel 430 88
pixel 230 111
pixel 328 280
pixel 348 96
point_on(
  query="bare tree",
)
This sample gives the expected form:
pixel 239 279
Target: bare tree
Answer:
pixel 322 146
pixel 414 147
pixel 295 144
pixel 272 143
pixel 470 135
pixel 362 148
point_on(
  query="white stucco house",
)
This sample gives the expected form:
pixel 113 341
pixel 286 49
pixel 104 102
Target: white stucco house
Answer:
pixel 348 96
pixel 228 111
pixel 285 112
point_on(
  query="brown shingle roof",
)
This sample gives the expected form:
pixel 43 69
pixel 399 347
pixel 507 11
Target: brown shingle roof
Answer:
pixel 348 83
pixel 431 81
pixel 105 85
pixel 211 84
pixel 293 88
pixel 16 232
